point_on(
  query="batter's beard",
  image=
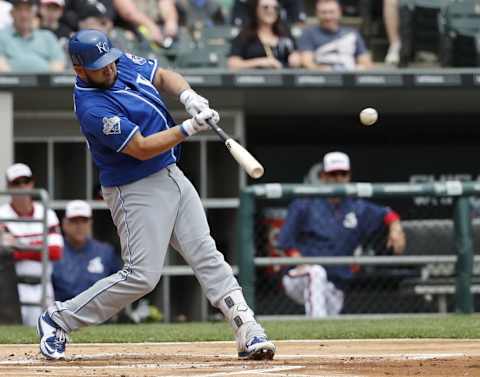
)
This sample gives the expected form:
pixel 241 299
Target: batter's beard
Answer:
pixel 102 85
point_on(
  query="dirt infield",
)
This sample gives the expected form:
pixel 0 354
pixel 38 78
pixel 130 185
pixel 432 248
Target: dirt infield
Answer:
pixel 350 358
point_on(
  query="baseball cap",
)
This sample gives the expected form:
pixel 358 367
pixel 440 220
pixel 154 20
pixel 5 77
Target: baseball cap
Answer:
pixel 97 10
pixel 18 2
pixel 60 3
pixel 17 171
pixel 78 208
pixel 336 161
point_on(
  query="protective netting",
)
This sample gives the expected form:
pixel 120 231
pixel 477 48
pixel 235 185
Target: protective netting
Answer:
pixel 372 289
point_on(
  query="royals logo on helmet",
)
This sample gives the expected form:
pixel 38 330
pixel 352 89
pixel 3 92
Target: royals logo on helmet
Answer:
pixel 111 126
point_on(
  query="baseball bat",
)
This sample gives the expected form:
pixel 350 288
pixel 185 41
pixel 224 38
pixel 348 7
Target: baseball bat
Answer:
pixel 253 168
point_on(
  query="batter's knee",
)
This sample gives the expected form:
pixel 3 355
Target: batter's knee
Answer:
pixel 144 281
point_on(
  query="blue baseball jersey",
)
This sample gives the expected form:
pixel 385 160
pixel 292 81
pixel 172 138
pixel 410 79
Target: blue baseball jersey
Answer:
pixel 316 228
pixel 109 119
pixel 80 268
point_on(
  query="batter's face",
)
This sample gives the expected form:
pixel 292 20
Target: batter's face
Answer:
pixel 103 78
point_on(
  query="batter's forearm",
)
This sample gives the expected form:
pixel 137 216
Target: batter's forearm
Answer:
pixel 145 148
pixel 170 82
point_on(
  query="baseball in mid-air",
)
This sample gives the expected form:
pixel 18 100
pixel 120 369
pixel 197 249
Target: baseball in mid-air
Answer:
pixel 368 116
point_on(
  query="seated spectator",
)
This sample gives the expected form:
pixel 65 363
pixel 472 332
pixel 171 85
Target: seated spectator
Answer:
pixel 197 14
pixel 85 260
pixel 292 12
pixel 98 17
pixel 126 10
pixel 25 48
pixel 23 236
pixel 265 42
pixel 317 227
pixel 5 14
pixel 50 13
pixel 391 17
pixel 163 12
pixel 330 46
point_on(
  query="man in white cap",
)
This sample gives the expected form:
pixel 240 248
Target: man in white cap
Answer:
pixel 331 227
pixel 85 260
pixel 28 263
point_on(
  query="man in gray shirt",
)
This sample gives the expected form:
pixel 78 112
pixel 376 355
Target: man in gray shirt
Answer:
pixel 25 48
pixel 330 46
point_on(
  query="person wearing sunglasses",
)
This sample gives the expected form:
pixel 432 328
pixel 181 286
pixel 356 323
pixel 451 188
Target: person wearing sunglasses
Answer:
pixel 265 41
pixel 331 227
pixel 21 235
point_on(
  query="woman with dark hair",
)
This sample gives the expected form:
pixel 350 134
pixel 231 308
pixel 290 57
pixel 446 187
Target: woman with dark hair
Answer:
pixel 264 42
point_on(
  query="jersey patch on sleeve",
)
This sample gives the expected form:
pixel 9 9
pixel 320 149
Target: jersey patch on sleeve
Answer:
pixel 111 126
pixel 136 59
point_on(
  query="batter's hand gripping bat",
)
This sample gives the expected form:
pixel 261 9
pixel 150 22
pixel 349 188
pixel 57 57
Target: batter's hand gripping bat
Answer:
pixel 253 168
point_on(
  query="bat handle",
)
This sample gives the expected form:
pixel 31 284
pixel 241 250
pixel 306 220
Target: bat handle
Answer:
pixel 218 130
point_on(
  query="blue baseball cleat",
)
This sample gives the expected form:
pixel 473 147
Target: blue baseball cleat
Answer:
pixel 258 348
pixel 52 338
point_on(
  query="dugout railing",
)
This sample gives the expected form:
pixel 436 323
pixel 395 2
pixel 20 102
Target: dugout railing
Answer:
pixel 461 285
pixel 6 250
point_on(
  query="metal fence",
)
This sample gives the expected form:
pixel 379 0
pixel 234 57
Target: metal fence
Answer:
pixel 436 272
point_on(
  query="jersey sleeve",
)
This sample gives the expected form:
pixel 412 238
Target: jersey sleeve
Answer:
pixel 146 67
pixel 237 47
pixel 108 127
pixel 372 217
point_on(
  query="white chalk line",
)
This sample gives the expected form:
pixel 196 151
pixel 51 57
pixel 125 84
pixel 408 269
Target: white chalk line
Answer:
pixel 109 356
pixel 271 370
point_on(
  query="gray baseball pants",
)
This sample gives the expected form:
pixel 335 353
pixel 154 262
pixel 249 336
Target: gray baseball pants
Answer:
pixel 150 214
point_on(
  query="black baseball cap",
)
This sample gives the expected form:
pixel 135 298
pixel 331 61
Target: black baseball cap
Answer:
pixel 97 10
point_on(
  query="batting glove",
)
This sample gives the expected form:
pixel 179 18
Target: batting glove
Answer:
pixel 199 122
pixel 193 102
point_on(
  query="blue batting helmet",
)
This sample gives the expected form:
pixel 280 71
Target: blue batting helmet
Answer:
pixel 92 49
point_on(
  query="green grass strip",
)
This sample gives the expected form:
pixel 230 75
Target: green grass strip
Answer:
pixel 450 326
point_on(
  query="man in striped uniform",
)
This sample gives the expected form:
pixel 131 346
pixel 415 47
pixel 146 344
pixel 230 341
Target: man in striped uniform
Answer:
pixel 28 263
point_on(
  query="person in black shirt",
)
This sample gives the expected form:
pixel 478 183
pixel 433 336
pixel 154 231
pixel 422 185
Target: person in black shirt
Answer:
pixel 50 12
pixel 264 42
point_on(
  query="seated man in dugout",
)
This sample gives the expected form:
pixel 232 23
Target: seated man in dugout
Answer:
pixel 334 226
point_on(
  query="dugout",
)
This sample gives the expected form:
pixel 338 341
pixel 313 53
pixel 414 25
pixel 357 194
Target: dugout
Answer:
pixel 427 131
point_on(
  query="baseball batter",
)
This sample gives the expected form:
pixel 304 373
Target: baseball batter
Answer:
pixel 135 145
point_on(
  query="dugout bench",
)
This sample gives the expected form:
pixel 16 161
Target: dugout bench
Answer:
pixel 436 281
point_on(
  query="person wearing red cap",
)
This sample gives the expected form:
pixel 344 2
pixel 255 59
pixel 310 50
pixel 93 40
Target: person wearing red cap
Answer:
pixel 28 263
pixel 331 227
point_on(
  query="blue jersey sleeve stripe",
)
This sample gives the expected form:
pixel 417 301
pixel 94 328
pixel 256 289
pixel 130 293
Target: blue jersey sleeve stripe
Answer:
pixel 152 75
pixel 128 139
